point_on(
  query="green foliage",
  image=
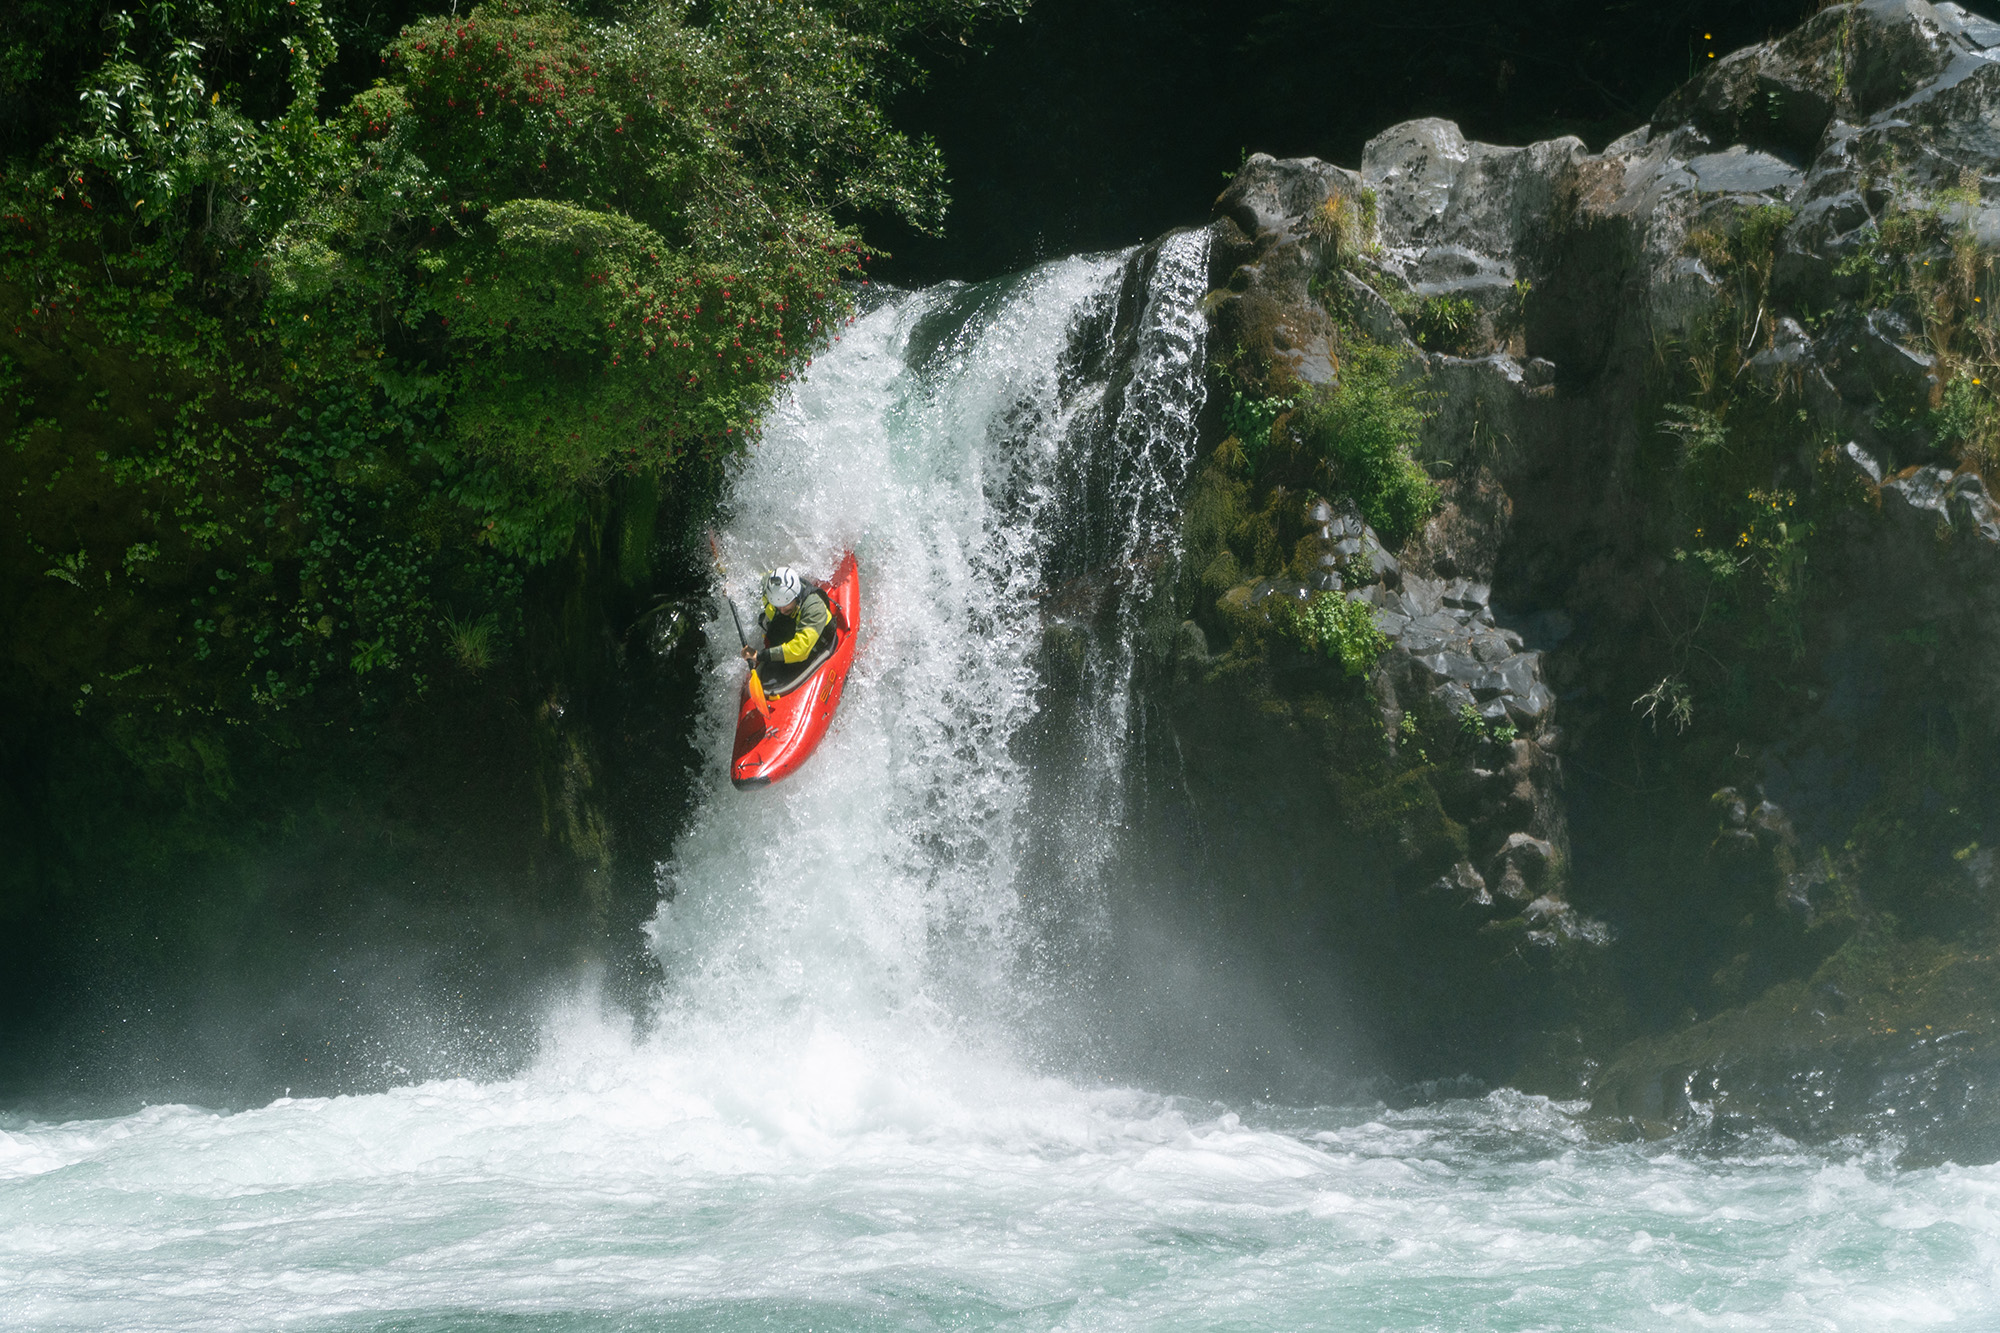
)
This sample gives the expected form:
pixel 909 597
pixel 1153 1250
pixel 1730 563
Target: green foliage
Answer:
pixel 1446 324
pixel 1345 228
pixel 1888 253
pixel 1367 428
pixel 600 246
pixel 471 641
pixel 330 388
pixel 1966 423
pixel 1512 317
pixel 1473 724
pixel 1928 260
pixel 1250 419
pixel 1700 431
pixel 1718 567
pixel 1777 538
pixel 1759 228
pixel 1669 700
pixel 1771 539
pixel 1741 249
pixel 1733 486
pixel 1337 627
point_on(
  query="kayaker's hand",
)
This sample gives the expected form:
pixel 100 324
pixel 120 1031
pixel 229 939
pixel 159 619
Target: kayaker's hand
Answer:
pixel 749 654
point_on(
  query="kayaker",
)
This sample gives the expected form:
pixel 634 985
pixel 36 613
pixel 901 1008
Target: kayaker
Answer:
pixel 795 617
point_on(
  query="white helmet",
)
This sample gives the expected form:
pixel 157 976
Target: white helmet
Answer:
pixel 782 586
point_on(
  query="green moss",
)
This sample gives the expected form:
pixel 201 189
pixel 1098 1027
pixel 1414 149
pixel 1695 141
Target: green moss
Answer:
pixel 1401 812
pixel 1875 1007
pixel 1231 537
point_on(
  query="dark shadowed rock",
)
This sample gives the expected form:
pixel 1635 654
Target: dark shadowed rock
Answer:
pixel 1863 143
pixel 1517 869
pixel 1917 496
pixel 1862 463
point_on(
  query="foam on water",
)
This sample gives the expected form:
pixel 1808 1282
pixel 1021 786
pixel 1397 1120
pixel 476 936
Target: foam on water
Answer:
pixel 834 1119
pixel 625 1187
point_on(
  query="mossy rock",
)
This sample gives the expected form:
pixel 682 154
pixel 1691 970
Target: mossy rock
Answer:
pixel 1900 1037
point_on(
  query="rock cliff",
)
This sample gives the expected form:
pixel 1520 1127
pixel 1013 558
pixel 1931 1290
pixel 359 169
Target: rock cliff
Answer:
pixel 1674 737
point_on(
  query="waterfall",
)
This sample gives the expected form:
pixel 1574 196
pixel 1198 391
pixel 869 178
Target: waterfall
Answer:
pixel 961 441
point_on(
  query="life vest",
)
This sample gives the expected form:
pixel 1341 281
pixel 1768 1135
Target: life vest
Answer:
pixel 795 633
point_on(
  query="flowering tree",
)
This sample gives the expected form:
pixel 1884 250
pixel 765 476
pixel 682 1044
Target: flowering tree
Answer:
pixel 360 368
pixel 603 244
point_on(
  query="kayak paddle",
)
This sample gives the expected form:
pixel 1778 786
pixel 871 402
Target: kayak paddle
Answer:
pixel 756 684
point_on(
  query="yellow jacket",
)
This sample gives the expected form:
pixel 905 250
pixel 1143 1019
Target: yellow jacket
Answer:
pixel 790 636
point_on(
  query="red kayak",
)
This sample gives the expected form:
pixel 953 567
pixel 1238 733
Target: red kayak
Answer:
pixel 776 738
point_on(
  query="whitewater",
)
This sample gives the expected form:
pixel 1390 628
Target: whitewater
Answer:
pixel 858 1098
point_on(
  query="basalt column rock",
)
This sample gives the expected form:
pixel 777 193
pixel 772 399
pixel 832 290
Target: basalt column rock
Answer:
pixel 1712 423
pixel 1422 797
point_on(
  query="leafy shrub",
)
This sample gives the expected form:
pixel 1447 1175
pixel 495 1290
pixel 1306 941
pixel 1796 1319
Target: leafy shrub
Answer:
pixel 347 370
pixel 601 246
pixel 1445 324
pixel 1967 424
pixel 1512 316
pixel 1700 431
pixel 1338 627
pixel 1367 428
pixel 471 641
pixel 1250 420
pixel 1669 700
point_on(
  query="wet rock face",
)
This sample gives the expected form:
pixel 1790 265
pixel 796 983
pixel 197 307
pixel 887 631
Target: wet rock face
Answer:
pixel 1934 500
pixel 1453 219
pixel 1445 641
pixel 1533 606
pixel 1449 663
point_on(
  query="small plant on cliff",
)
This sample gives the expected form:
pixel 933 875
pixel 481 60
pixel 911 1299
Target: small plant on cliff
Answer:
pixel 1338 627
pixel 1446 324
pixel 1512 317
pixel 1669 700
pixel 1741 249
pixel 1843 51
pixel 1702 435
pixel 1906 252
pixel 1249 419
pixel 1345 226
pixel 1473 724
pixel 1776 538
pixel 1367 428
pixel 1967 424
pixel 470 642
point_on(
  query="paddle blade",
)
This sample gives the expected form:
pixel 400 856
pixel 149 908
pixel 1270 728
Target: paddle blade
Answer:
pixel 757 692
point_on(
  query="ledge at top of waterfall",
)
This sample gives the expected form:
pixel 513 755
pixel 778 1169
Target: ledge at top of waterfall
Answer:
pixel 778 727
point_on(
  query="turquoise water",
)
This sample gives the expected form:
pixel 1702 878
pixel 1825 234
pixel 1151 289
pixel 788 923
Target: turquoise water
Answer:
pixel 841 1109
pixel 600 1191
